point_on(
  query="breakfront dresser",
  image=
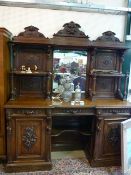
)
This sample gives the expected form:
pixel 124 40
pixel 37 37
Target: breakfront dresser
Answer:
pixel 37 122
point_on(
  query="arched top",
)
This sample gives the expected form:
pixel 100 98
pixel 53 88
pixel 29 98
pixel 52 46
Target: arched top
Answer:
pixel 108 36
pixel 31 32
pixel 31 35
pixel 71 29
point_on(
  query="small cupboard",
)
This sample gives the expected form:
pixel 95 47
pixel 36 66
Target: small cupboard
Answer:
pixel 28 139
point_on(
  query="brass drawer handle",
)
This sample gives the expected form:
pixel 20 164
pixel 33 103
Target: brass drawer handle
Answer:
pixel 29 112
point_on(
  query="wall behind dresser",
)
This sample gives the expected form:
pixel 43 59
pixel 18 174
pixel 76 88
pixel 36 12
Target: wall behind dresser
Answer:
pixel 50 21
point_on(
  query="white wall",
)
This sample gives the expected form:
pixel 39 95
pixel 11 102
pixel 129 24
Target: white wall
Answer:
pixel 50 21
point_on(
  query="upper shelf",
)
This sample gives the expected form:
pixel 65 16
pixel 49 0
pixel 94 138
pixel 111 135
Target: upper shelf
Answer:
pixel 31 73
pixel 105 73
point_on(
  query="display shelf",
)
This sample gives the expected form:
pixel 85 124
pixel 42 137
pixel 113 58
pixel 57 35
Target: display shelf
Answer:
pixel 32 73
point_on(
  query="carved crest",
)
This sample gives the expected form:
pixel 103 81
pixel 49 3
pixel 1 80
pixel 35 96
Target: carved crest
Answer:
pixel 71 30
pixel 31 32
pixel 108 36
pixel 29 138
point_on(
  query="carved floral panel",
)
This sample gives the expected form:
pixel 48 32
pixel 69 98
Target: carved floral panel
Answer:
pixel 30 137
pixel 104 61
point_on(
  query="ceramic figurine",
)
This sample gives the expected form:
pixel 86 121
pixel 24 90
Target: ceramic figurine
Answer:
pixel 23 69
pixel 35 68
pixel 28 70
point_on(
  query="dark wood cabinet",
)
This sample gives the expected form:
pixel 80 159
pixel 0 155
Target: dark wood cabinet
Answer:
pixel 35 122
pixel 107 145
pixel 28 139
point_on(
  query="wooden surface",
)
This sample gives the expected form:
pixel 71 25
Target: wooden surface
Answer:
pixel 42 103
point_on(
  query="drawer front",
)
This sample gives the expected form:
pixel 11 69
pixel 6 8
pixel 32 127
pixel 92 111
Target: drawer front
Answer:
pixel 112 111
pixel 26 112
pixel 73 111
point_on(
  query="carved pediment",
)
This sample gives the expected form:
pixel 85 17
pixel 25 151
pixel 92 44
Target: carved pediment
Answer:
pixel 108 36
pixel 31 32
pixel 71 29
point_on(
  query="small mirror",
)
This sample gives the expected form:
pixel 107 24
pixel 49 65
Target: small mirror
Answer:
pixel 72 64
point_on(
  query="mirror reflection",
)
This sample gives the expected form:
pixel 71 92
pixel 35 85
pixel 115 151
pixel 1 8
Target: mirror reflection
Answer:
pixel 69 65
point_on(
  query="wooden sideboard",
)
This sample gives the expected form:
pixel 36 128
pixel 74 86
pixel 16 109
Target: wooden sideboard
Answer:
pixel 35 124
pixel 31 132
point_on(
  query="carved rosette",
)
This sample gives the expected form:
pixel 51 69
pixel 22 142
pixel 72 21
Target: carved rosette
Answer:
pixel 71 29
pixel 29 137
pixel 113 136
pixel 108 36
pixel 31 32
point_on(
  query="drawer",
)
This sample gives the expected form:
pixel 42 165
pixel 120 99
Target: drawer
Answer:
pixel 73 111
pixel 25 112
pixel 113 111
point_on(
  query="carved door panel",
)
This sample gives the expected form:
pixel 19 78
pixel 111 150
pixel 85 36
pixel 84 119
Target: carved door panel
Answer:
pixel 108 140
pixel 111 137
pixel 28 138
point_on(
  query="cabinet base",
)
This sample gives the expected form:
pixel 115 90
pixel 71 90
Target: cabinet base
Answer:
pixel 26 167
pixel 103 162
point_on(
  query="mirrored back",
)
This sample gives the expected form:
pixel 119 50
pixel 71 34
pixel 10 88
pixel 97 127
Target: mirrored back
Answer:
pixel 69 64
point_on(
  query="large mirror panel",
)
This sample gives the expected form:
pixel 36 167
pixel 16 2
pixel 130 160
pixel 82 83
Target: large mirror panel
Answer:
pixel 69 65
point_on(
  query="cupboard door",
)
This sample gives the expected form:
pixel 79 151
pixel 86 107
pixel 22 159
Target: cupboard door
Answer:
pixel 28 143
pixel 107 146
pixel 30 138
